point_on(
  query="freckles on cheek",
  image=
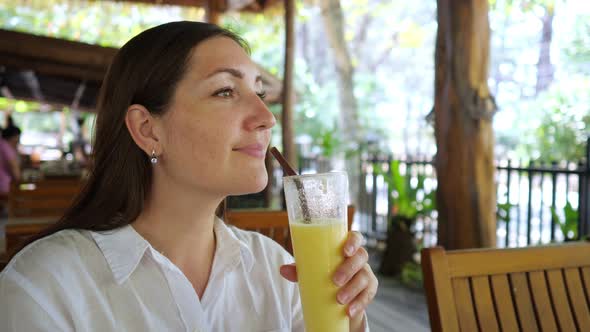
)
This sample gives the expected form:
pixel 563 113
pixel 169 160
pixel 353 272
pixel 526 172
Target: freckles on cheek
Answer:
pixel 203 145
pixel 208 143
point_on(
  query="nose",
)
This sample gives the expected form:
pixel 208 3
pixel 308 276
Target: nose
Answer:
pixel 260 117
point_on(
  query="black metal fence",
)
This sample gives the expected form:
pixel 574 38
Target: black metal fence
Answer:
pixel 540 202
pixel 376 206
pixel 546 202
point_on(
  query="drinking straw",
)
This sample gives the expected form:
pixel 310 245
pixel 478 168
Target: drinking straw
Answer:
pixel 289 171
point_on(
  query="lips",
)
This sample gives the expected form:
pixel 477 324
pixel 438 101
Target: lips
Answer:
pixel 253 150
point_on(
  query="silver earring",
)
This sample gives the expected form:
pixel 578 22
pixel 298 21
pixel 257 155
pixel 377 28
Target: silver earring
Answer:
pixel 154 159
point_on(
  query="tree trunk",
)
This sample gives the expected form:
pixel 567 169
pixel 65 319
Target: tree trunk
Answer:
pixel 334 26
pixel 466 195
pixel 348 124
pixel 544 67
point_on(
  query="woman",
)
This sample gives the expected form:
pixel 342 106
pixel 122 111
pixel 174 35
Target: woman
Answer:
pixel 9 168
pixel 181 124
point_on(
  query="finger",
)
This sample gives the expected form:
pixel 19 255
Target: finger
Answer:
pixel 360 303
pixel 350 267
pixel 289 272
pixel 353 243
pixel 353 288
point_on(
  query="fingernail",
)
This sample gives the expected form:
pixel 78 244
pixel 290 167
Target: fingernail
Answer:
pixel 353 309
pixel 342 298
pixel 349 249
pixel 339 278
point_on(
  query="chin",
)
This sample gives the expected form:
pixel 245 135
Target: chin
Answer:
pixel 246 185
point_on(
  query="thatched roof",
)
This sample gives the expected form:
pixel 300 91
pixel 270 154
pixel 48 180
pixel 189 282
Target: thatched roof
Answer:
pixel 56 71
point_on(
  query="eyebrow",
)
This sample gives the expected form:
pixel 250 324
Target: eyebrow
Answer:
pixel 234 72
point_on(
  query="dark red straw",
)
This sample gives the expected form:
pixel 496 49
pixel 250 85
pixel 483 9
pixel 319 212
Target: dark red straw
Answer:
pixel 289 171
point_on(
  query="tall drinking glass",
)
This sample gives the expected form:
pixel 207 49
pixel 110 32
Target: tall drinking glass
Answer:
pixel 317 208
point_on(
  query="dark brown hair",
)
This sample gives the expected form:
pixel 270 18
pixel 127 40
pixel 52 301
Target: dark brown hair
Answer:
pixel 11 129
pixel 145 71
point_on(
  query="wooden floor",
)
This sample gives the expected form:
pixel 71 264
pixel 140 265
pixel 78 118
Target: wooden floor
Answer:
pixel 396 308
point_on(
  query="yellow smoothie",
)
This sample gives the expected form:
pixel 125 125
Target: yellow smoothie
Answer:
pixel 318 252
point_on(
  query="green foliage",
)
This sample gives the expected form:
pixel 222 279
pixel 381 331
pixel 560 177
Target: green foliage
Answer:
pixel 264 34
pixel 411 275
pixel 561 137
pixel 564 126
pixel 569 223
pixel 409 201
pixel 554 126
pixel 105 23
pixel 578 50
pixel 533 125
pixel 524 5
pixel 329 143
pixel 503 211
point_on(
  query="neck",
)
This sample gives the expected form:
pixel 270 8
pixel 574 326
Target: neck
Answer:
pixel 178 222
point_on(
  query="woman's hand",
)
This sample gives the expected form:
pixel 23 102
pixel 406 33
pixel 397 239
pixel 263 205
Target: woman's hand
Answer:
pixel 357 282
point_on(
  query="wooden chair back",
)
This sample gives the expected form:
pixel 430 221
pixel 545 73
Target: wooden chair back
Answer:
pixel 274 224
pixel 523 289
pixel 46 198
pixel 16 235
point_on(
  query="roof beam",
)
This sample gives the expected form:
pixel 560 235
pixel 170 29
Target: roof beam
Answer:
pixel 32 82
pixel 54 56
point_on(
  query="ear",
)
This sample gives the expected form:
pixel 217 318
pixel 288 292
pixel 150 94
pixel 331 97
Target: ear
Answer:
pixel 144 129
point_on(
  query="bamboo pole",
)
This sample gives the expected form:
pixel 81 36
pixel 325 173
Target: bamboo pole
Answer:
pixel 212 14
pixel 288 94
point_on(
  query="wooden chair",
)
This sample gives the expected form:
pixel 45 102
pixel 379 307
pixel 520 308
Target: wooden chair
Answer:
pixel 42 199
pixel 47 198
pixel 524 289
pixel 16 235
pixel 274 224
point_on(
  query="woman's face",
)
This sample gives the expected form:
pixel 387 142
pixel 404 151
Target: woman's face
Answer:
pixel 217 128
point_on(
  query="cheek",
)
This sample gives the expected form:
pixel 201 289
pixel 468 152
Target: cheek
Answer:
pixel 199 145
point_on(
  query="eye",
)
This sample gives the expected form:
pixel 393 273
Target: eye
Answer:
pixel 224 93
pixel 261 95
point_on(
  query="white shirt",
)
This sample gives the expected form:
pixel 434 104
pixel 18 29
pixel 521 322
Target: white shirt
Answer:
pixel 79 280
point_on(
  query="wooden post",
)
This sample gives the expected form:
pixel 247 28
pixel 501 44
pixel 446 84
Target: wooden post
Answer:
pixel 466 196
pixel 584 196
pixel 288 93
pixel 212 12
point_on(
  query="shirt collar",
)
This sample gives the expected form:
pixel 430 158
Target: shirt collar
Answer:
pixel 230 250
pixel 123 249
